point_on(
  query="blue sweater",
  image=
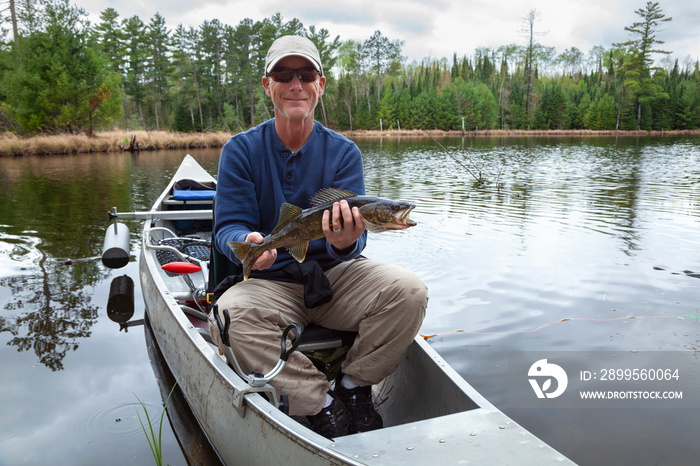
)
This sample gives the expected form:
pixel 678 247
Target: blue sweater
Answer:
pixel 257 173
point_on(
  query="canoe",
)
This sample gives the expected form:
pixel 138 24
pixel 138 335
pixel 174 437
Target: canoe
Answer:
pixel 431 414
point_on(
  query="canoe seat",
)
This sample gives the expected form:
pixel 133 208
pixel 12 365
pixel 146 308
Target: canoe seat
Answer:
pixel 326 348
pixel 315 337
pixel 191 190
pixel 192 195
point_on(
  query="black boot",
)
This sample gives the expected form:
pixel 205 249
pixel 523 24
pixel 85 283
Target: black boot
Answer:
pixel 358 401
pixel 333 421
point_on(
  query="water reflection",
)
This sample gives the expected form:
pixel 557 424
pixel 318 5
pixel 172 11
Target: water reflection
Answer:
pixel 48 310
pixel 581 232
pixel 52 210
pixel 48 207
pixel 560 228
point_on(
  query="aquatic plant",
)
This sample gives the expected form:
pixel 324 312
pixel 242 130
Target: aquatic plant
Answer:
pixel 153 441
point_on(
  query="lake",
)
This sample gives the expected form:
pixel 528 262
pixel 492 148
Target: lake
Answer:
pixel 586 251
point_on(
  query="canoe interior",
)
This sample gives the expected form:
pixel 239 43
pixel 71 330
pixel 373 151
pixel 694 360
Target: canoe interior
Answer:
pixel 417 379
pixel 429 411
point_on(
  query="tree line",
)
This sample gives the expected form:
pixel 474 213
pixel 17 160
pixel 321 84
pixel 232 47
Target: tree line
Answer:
pixel 63 74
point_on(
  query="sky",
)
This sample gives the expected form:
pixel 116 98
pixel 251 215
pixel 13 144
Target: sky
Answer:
pixel 439 28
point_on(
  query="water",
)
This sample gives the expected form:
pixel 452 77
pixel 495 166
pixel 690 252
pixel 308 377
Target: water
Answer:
pixel 592 230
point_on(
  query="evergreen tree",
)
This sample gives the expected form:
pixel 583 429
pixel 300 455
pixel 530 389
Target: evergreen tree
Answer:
pixel 380 54
pixel 136 50
pixel 211 47
pixel 639 78
pixel 158 65
pixel 687 114
pixel 60 80
pixel 60 75
pixel 111 38
pixel 187 72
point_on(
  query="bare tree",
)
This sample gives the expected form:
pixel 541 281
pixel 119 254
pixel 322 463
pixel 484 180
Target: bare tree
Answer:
pixel 529 29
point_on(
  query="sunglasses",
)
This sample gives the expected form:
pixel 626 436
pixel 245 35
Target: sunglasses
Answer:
pixel 285 75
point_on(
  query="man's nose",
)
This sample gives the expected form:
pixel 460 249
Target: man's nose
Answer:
pixel 295 82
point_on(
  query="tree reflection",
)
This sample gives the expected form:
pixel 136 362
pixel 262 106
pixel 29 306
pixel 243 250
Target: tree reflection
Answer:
pixel 51 312
pixel 52 209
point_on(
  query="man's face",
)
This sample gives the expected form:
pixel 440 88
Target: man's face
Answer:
pixel 294 100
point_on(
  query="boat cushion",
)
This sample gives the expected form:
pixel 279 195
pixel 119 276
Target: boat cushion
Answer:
pixel 193 195
pixel 191 190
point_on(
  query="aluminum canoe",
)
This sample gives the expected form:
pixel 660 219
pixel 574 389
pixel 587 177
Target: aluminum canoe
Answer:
pixel 431 414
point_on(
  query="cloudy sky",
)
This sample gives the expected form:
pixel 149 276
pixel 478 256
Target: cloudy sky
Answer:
pixel 439 28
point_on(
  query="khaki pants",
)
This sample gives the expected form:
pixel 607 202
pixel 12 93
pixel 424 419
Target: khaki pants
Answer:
pixel 384 303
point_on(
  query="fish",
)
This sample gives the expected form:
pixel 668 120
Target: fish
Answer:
pixel 296 227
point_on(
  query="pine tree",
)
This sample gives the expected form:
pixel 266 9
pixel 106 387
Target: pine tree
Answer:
pixel 638 73
pixel 60 80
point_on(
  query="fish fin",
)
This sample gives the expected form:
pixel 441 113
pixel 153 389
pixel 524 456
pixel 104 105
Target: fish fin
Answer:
pixel 244 252
pixel 329 196
pixel 298 251
pixel 288 212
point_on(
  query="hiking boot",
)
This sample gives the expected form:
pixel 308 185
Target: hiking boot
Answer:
pixel 358 402
pixel 333 421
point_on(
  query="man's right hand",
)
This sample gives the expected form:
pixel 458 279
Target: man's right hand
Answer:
pixel 267 258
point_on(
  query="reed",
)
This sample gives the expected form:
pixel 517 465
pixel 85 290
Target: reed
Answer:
pixel 109 141
pixel 502 133
pixel 114 141
pixel 153 441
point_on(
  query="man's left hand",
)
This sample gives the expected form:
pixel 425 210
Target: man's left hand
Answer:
pixel 342 234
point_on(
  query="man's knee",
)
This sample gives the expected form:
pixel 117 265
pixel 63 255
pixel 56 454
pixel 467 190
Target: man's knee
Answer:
pixel 411 288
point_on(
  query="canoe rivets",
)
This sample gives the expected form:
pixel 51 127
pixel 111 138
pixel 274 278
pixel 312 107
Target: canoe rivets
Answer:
pixel 376 455
pixel 473 434
pixel 501 427
pixel 409 448
pixel 442 440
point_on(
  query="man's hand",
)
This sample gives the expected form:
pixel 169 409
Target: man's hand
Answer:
pixel 267 258
pixel 342 235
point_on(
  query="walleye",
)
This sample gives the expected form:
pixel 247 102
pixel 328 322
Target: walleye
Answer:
pixel 296 227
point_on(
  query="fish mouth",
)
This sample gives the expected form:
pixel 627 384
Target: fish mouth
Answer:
pixel 402 219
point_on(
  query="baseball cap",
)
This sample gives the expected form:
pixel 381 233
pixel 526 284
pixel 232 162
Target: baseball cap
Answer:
pixel 286 46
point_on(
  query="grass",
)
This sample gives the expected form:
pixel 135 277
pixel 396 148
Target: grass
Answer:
pixel 582 133
pixel 153 441
pixel 114 141
pixel 109 141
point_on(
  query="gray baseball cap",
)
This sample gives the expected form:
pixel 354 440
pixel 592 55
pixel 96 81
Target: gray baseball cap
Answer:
pixel 286 46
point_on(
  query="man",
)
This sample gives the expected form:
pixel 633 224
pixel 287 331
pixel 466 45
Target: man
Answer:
pixel 289 159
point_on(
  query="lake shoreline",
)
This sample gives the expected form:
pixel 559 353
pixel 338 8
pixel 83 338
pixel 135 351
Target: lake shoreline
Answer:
pixel 136 141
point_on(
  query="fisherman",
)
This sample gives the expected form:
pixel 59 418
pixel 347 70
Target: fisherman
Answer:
pixel 289 159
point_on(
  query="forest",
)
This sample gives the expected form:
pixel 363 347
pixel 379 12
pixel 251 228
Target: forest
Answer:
pixel 62 74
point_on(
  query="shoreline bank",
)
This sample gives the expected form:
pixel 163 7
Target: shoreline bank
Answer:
pixel 116 141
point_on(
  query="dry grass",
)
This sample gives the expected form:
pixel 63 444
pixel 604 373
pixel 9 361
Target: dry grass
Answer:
pixel 515 133
pixel 112 141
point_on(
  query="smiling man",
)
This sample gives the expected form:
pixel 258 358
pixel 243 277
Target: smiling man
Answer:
pixel 288 159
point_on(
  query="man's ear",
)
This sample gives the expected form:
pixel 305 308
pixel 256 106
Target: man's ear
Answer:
pixel 266 85
pixel 321 85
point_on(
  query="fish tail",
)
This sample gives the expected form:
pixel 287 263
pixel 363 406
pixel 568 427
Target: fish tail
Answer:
pixel 247 253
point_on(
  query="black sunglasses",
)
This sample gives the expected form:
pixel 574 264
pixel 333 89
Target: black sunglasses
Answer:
pixel 285 75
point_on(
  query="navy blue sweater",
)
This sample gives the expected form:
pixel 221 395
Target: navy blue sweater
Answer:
pixel 257 173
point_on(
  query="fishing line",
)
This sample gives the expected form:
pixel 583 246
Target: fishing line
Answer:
pixel 565 319
pixel 479 179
